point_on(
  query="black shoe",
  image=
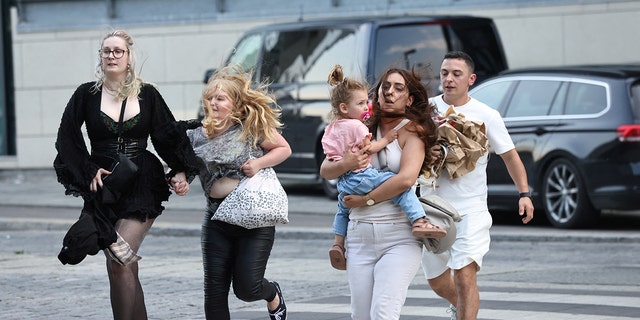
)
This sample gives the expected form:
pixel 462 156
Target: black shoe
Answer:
pixel 281 311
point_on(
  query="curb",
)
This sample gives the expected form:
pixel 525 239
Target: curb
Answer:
pixel 160 229
pixel 498 234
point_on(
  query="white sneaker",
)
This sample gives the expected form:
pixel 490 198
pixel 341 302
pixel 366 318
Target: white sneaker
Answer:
pixel 453 311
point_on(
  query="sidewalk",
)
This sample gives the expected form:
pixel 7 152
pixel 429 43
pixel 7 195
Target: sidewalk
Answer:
pixel 310 213
pixel 23 194
pixel 40 188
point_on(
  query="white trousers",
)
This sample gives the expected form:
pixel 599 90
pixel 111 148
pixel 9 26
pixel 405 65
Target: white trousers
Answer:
pixel 382 260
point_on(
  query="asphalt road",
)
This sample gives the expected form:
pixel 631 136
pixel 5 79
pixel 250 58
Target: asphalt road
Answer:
pixel 566 279
pixel 531 272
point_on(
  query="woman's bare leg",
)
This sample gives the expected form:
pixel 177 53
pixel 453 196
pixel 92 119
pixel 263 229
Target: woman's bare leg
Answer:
pixel 127 298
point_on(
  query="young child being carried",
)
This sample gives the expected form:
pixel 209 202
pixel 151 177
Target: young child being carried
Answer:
pixel 349 108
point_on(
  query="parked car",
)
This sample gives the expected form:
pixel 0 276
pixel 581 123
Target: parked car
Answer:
pixel 297 57
pixel 577 130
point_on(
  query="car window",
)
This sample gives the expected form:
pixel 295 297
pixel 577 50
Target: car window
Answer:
pixel 305 55
pixel 585 98
pixel 479 40
pixel 408 46
pixel 247 51
pixel 329 47
pixel 635 101
pixel 532 98
pixel 281 60
pixel 557 108
pixel 493 94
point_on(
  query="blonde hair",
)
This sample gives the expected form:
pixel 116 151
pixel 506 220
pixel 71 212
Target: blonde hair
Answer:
pixel 254 108
pixel 343 89
pixel 132 82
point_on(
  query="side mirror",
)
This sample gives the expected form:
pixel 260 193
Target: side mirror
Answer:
pixel 207 75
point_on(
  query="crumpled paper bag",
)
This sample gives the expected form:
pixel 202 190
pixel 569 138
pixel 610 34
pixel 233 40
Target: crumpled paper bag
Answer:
pixel 465 142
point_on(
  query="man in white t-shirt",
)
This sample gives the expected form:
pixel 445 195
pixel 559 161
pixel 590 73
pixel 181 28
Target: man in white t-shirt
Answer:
pixel 468 193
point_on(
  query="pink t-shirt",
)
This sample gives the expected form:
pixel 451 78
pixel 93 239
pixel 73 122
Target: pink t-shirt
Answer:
pixel 341 133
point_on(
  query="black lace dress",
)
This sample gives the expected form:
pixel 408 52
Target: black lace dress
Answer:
pixel 76 165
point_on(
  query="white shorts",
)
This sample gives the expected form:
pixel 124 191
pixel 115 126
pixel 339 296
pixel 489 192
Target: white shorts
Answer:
pixel 472 243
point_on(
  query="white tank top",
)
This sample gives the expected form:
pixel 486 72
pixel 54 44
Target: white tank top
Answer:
pixel 385 211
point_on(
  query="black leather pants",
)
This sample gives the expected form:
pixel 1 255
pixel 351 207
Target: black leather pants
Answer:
pixel 229 253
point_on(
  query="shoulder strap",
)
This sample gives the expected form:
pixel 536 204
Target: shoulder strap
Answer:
pixel 120 125
pixel 120 122
pixel 401 124
pixel 382 154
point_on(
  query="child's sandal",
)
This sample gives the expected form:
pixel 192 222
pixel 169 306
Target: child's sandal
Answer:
pixel 338 259
pixel 422 228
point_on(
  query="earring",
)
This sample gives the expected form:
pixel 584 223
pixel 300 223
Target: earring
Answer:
pixel 128 66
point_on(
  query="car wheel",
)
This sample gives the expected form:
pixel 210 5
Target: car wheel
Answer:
pixel 564 196
pixel 330 188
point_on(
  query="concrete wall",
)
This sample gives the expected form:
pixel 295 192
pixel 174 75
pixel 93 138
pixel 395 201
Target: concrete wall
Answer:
pixel 578 34
pixel 48 66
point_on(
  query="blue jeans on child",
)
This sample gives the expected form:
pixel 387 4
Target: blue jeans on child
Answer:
pixel 361 183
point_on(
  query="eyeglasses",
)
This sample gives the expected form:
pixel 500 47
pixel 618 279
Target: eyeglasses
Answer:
pixel 117 53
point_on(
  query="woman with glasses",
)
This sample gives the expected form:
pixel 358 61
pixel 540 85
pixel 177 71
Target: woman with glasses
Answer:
pixel 382 254
pixel 120 112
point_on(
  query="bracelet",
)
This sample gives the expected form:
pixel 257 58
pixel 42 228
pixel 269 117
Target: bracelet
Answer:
pixel 526 194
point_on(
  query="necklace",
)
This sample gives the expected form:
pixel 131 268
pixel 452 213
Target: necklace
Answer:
pixel 109 91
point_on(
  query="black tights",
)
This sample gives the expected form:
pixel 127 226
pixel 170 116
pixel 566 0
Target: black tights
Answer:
pixel 232 252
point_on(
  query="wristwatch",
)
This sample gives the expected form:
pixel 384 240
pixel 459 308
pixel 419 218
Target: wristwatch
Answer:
pixel 525 194
pixel 368 200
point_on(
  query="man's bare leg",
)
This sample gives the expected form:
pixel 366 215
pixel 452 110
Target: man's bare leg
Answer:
pixel 444 286
pixel 466 285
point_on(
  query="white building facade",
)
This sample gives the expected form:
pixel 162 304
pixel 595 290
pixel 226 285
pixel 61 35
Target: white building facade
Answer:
pixel 177 42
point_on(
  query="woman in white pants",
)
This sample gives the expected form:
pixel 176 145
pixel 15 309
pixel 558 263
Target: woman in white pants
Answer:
pixel 383 256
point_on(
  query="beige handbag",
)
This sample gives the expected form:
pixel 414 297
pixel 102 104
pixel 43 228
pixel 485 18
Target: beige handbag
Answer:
pixel 440 213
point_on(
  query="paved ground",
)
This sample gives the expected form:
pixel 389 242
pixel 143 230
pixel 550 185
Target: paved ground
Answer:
pixel 34 216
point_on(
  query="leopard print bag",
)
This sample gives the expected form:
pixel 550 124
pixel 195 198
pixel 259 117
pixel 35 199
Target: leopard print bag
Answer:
pixel 256 202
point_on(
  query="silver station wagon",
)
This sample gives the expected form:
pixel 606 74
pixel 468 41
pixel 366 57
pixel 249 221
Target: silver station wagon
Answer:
pixel 577 130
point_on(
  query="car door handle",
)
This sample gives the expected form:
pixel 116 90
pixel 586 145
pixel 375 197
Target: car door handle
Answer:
pixel 540 131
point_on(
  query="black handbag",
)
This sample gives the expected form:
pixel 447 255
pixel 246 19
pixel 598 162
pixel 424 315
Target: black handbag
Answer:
pixel 123 170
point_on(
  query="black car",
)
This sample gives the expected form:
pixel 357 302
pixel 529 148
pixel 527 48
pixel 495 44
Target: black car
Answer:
pixel 297 57
pixel 577 130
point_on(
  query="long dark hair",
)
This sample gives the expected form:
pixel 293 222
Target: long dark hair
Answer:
pixel 419 112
